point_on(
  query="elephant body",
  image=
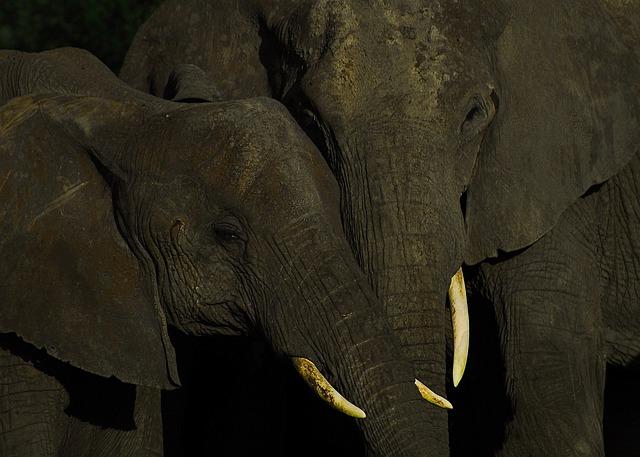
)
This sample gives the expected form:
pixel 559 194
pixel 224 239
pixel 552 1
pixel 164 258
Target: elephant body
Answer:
pixel 565 307
pixel 502 135
pixel 52 409
pixel 125 215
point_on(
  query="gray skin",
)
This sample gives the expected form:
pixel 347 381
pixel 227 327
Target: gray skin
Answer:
pixel 459 131
pixel 123 213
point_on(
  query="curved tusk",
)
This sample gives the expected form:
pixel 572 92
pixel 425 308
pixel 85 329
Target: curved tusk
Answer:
pixel 319 384
pixel 433 397
pixel 460 320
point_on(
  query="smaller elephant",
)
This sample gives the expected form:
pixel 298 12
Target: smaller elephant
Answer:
pixel 123 214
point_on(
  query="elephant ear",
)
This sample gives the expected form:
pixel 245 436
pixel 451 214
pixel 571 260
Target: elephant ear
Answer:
pixel 568 119
pixel 237 44
pixel 69 282
pixel 221 37
pixel 190 84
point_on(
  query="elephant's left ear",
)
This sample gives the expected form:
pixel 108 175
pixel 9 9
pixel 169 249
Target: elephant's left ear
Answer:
pixel 568 118
pixel 69 282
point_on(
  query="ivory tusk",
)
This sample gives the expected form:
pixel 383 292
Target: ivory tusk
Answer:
pixel 433 397
pixel 319 384
pixel 460 320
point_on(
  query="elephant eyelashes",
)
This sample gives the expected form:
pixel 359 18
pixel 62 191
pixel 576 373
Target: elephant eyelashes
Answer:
pixel 229 232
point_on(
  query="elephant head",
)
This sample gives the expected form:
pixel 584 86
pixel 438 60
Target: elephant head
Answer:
pixel 456 130
pixel 120 217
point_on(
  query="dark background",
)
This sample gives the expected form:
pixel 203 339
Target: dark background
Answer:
pixel 106 28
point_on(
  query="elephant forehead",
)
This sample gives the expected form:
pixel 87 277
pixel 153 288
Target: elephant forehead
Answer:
pixel 240 133
pixel 288 193
pixel 235 147
pixel 410 56
pixel 289 183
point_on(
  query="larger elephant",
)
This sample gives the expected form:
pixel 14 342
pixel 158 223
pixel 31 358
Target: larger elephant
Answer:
pixel 123 213
pixel 457 131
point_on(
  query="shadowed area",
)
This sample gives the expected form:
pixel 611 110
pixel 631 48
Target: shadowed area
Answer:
pixel 248 402
pixel 38 25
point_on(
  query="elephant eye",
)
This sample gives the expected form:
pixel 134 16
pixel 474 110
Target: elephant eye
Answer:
pixel 478 117
pixel 224 234
pixel 474 113
pixel 228 231
pixel 308 118
pixel 312 126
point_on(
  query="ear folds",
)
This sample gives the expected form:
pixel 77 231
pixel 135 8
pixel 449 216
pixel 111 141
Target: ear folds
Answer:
pixel 190 84
pixel 223 38
pixel 69 282
pixel 568 118
pixel 236 44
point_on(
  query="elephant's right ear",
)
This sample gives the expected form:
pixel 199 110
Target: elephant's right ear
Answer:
pixel 68 280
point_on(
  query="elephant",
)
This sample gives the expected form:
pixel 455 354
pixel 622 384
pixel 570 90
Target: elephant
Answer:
pixel 125 214
pixel 501 135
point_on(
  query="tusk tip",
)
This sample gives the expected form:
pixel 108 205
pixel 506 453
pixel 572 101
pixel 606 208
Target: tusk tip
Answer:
pixel 359 414
pixel 460 321
pixel 458 372
pixel 432 397
pixel 319 384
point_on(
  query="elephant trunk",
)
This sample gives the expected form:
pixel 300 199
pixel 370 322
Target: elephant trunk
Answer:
pixel 408 233
pixel 356 351
pixel 398 421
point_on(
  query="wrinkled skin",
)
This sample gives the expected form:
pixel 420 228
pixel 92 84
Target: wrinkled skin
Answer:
pixel 123 213
pixel 565 307
pixel 455 135
pixel 402 217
